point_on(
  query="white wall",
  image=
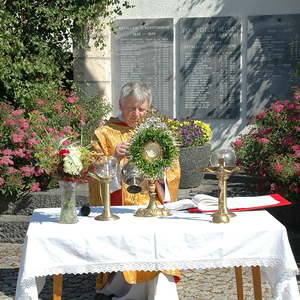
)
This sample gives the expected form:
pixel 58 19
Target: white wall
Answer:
pixel 209 8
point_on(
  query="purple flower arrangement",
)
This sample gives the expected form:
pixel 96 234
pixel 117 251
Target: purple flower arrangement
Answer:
pixel 190 132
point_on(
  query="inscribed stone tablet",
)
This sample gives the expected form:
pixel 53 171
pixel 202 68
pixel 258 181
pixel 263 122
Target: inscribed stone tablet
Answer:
pixel 143 51
pixel 273 59
pixel 210 68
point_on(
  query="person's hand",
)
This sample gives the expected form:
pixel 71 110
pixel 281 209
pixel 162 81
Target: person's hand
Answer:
pixel 121 150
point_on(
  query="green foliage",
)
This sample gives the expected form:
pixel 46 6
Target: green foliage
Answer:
pixel 271 150
pixel 36 39
pixel 153 169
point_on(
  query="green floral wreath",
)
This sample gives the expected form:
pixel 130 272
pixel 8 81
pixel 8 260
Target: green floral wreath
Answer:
pixel 153 169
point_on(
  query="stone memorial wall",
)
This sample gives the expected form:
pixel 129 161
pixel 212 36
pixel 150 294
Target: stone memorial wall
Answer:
pixel 208 57
pixel 209 68
pixel 143 51
pixel 273 58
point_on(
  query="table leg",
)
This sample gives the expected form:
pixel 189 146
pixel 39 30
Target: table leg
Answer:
pixel 57 286
pixel 256 282
pixel 239 282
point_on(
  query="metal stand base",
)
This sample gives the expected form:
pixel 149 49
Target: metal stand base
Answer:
pixel 104 217
pixel 153 212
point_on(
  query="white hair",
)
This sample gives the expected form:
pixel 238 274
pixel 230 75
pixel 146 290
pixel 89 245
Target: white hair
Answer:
pixel 140 91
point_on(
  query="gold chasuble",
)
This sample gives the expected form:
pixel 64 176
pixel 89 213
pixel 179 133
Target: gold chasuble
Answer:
pixel 105 141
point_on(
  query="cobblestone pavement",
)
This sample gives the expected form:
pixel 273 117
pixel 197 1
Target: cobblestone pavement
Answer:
pixel 212 284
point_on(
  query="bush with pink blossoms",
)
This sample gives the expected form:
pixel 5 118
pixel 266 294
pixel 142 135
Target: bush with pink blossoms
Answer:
pixel 64 117
pixel 18 172
pixel 271 150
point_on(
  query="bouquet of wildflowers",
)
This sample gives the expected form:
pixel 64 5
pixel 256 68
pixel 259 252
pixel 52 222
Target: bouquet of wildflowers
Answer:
pixel 190 132
pixel 62 159
pixel 271 150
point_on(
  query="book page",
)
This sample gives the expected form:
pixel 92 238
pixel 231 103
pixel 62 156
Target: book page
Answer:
pixel 236 202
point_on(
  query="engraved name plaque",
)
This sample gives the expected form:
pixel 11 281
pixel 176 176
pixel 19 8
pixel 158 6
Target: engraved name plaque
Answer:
pixel 142 50
pixel 273 59
pixel 209 68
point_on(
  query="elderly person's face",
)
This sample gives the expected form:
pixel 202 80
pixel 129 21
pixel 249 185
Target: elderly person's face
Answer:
pixel 132 110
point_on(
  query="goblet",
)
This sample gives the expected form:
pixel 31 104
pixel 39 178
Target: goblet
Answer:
pixel 222 165
pixel 105 170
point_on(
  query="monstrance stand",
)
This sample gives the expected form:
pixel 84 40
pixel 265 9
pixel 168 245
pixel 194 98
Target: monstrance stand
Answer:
pixel 151 152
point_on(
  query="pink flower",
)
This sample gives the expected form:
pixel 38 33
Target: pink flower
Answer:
pixel 66 143
pixel 288 141
pixel 238 143
pixel 6 160
pixel 67 129
pixel 291 106
pixel 12 170
pixel 1 181
pixel 277 107
pixel 35 187
pixel 20 153
pixel 24 125
pixel 41 102
pixel 7 152
pixel 50 129
pixel 28 155
pixel 17 138
pixel 293 117
pixel 72 99
pixel 17 112
pixel 58 106
pixel 261 116
pixel 27 171
pixel 82 122
pixel 38 171
pixel 278 167
pixel 297 153
pixel 297 128
pixel 263 140
pixel 10 122
pixel 266 131
pixel 32 142
pixel 296 147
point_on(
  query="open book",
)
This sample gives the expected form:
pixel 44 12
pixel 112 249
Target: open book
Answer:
pixel 206 203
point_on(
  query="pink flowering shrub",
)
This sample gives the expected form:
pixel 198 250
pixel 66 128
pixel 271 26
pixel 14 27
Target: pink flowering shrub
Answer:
pixel 271 150
pixel 23 137
pixel 18 172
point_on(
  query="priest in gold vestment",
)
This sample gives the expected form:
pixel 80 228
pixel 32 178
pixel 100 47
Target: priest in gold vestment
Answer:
pixel 112 139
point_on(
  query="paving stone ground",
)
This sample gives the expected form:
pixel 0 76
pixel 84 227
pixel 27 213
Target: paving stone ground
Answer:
pixel 209 284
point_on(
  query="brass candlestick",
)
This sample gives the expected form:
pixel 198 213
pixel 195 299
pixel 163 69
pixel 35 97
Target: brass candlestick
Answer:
pixel 223 173
pixel 152 210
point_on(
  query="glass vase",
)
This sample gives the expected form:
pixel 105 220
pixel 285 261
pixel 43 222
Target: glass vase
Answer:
pixel 68 214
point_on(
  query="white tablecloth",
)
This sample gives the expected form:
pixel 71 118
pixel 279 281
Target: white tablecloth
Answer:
pixel 181 241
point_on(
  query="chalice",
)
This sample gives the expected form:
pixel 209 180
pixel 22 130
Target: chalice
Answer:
pixel 105 170
pixel 222 165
